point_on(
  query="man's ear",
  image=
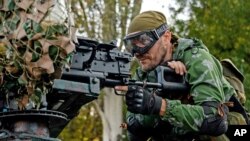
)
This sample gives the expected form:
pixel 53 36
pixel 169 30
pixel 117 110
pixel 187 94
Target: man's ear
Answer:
pixel 167 36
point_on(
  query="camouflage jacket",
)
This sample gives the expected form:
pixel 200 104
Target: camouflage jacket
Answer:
pixel 205 77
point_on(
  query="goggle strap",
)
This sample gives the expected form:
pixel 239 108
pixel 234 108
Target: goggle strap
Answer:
pixel 160 30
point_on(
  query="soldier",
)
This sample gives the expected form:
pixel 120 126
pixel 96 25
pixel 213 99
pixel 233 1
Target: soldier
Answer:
pixel 36 43
pixel 201 113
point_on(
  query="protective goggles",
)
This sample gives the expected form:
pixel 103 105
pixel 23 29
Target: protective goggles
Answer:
pixel 143 41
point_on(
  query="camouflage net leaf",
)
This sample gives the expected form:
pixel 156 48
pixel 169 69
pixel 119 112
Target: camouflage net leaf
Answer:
pixel 35 44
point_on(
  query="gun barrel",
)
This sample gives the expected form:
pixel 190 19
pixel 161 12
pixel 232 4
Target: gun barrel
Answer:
pixel 174 87
pixel 147 84
pixel 113 82
pixel 167 86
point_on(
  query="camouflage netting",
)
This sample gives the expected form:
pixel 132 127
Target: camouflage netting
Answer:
pixel 35 44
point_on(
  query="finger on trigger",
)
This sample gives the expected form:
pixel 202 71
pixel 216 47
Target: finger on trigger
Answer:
pixel 121 88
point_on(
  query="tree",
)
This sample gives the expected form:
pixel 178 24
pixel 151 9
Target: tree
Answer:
pixel 223 26
pixel 103 20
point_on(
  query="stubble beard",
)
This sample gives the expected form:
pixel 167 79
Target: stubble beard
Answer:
pixel 148 67
pixel 154 63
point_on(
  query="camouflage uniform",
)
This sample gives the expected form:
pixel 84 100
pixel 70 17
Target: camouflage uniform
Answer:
pixel 205 77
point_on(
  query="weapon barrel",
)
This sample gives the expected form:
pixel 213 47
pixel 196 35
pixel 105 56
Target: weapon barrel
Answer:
pixel 169 86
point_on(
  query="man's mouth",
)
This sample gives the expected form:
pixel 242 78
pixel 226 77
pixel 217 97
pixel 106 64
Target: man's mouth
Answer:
pixel 143 61
pixel 143 58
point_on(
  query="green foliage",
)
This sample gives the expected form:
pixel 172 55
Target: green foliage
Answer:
pixel 87 126
pixel 223 26
pixel 53 52
pixel 104 20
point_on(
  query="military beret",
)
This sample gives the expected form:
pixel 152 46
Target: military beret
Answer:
pixel 146 21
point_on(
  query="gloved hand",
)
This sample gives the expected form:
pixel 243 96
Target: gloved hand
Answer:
pixel 141 101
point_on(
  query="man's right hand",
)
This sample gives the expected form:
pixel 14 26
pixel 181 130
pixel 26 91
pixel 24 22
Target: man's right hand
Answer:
pixel 141 101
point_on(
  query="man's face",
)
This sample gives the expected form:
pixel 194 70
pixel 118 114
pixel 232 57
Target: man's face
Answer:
pixel 150 51
pixel 152 58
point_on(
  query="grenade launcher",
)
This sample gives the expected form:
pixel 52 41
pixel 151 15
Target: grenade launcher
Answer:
pixel 97 65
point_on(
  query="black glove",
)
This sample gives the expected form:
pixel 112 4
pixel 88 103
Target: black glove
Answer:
pixel 141 101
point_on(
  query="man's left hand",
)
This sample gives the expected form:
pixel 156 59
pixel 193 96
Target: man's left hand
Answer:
pixel 178 66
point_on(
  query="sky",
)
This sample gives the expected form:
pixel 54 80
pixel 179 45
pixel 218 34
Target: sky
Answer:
pixel 158 5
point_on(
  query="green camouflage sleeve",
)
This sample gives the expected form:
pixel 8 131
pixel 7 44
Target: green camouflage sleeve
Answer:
pixel 205 78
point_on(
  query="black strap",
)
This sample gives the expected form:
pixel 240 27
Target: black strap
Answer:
pixel 161 29
pixel 238 108
pixel 207 106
